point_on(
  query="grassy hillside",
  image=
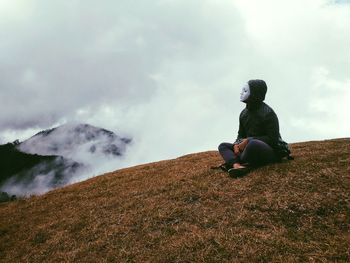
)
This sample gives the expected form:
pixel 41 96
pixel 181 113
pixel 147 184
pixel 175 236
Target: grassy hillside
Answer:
pixel 182 211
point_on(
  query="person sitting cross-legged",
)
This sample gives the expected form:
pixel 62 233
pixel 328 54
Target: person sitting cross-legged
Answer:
pixel 259 141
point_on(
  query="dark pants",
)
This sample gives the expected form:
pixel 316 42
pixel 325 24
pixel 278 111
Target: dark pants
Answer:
pixel 256 153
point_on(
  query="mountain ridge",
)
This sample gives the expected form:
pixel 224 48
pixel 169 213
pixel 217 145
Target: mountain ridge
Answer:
pixel 20 166
pixel 56 157
pixel 180 210
pixel 60 140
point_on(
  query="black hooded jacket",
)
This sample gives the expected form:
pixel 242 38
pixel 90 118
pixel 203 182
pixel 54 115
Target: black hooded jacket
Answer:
pixel 259 121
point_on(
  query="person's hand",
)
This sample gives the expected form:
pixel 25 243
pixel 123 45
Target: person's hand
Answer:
pixel 236 149
pixel 242 145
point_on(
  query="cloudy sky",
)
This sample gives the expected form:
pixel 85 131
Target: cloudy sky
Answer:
pixel 169 72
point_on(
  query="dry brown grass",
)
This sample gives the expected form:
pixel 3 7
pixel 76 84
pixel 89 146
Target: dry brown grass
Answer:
pixel 182 211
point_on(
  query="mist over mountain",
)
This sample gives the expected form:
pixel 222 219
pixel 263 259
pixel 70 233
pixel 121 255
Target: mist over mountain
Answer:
pixel 24 173
pixel 76 141
pixel 59 156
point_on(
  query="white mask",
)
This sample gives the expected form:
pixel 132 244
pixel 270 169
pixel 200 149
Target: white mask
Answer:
pixel 245 92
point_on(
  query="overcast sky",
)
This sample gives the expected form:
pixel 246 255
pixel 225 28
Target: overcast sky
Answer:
pixel 169 72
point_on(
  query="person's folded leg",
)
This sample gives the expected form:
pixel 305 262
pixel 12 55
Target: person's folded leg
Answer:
pixel 227 153
pixel 258 153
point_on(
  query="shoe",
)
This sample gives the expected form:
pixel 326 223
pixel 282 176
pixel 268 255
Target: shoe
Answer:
pixel 225 167
pixel 238 172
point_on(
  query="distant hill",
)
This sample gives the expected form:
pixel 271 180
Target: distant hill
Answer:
pixel 17 167
pixel 73 140
pixel 53 157
pixel 182 211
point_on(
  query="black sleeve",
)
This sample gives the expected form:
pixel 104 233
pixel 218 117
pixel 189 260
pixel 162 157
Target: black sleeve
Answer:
pixel 271 130
pixel 241 132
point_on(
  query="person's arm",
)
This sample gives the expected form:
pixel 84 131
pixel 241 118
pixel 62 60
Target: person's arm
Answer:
pixel 241 132
pixel 271 130
pixel 239 144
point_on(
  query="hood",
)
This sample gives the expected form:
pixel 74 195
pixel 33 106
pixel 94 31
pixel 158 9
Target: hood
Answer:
pixel 258 89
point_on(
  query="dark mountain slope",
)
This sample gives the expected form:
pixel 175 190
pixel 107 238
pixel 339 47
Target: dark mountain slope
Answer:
pixel 182 211
pixel 56 157
pixel 25 166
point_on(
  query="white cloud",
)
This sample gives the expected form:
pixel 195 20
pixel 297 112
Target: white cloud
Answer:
pixel 328 110
pixel 169 73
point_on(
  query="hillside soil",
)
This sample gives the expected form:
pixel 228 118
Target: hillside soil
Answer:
pixel 180 210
